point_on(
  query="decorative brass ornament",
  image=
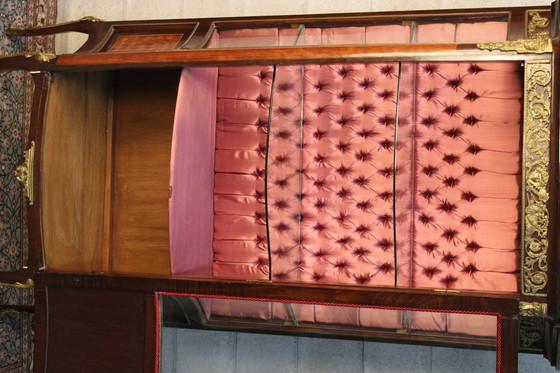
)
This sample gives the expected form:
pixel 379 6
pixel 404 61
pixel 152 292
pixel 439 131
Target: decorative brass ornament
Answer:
pixel 28 28
pixel 39 56
pixel 91 19
pixel 24 173
pixel 533 309
pixel 536 176
pixel 538 41
pixel 537 22
pixel 9 312
pixel 537 46
pixel 531 332
pixel 19 285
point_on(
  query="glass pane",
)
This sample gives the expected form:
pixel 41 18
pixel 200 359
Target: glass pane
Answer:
pixel 397 33
pixel 254 37
pixel 226 314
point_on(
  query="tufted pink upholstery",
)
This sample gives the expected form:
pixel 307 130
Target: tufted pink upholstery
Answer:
pixel 339 208
pixel 330 175
pixel 331 199
pixel 240 237
pixel 309 186
pixel 466 206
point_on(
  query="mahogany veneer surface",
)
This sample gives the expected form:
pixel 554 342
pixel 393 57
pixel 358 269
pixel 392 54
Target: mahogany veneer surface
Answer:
pixel 96 331
pixel 145 107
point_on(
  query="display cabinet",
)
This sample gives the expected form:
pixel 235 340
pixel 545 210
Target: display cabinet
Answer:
pixel 386 176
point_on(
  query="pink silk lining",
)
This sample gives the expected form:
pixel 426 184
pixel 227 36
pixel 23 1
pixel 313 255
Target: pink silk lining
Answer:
pixel 193 154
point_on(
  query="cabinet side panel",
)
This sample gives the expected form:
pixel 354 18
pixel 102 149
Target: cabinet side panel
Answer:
pixel 144 113
pixel 73 171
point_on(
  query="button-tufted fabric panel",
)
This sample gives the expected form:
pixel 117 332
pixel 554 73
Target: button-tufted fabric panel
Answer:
pixel 330 176
pixel 240 237
pixel 403 178
pixel 330 181
pixel 284 176
pixel 333 221
pixel 467 172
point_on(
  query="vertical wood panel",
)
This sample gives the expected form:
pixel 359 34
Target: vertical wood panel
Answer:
pixel 73 170
pixel 145 107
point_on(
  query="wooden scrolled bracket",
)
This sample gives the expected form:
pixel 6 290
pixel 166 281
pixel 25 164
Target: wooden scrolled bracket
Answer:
pixel 50 29
pixel 24 172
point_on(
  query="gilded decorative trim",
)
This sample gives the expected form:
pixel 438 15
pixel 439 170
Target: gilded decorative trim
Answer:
pixel 536 46
pixel 531 332
pixel 536 161
pixel 533 309
pixel 537 26
pixel 538 41
pixel 27 285
pixel 28 28
pixel 9 312
pixel 24 172
pixel 40 56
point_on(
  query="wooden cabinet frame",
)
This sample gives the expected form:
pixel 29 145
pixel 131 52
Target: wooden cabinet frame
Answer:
pixel 531 314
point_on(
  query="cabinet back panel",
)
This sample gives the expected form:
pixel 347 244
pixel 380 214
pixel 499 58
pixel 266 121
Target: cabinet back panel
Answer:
pixel 144 112
pixel 73 170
